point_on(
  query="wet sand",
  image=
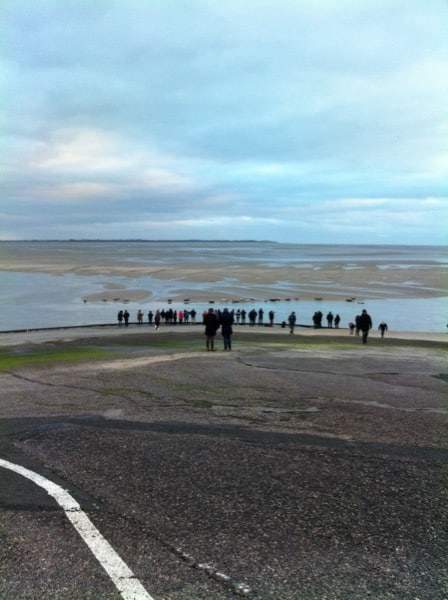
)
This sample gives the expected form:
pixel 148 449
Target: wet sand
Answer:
pixel 212 274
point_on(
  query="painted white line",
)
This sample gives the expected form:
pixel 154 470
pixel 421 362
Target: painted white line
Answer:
pixel 124 579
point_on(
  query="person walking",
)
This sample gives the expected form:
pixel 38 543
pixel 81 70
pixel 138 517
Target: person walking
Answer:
pixel 365 325
pixel 120 318
pixel 337 320
pixel 126 316
pixel 382 328
pixel 211 327
pixel 292 322
pixel 226 328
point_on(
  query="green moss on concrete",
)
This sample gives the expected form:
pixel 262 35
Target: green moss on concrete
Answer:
pixel 45 357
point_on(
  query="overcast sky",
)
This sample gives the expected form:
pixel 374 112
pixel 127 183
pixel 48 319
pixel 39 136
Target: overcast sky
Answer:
pixel 290 120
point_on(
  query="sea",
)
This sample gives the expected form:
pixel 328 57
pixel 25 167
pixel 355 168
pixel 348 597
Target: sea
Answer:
pixel 31 299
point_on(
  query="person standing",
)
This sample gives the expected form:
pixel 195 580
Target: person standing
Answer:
pixel 292 322
pixel 271 318
pixel 337 320
pixel 243 317
pixel 357 324
pixel 260 316
pixel 150 317
pixel 365 325
pixel 383 328
pixel 226 328
pixel 351 327
pixel 157 318
pixel 140 317
pixel 126 316
pixel 120 318
pixel 330 320
pixel 211 327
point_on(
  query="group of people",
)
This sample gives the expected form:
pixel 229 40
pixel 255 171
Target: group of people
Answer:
pixel 331 319
pixel 169 317
pixel 224 319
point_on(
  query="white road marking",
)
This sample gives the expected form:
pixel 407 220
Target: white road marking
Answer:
pixel 124 579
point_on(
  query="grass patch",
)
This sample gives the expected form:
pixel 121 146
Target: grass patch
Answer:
pixel 45 358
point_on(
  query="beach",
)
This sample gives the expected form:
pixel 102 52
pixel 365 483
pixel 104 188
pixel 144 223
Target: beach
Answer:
pixel 78 283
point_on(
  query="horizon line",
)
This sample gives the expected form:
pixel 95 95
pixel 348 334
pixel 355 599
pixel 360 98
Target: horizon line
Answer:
pixel 196 240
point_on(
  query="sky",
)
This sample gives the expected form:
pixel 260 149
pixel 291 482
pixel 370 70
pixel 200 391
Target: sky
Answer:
pixel 309 121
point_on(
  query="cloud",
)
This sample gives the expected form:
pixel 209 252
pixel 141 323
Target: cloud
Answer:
pixel 198 111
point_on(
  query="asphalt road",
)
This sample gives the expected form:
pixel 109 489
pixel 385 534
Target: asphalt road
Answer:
pixel 284 470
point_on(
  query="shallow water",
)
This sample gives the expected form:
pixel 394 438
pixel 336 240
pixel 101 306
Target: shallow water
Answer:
pixel 34 299
pixel 31 300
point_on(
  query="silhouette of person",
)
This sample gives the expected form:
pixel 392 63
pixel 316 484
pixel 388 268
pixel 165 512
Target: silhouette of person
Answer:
pixel 337 320
pixel 292 322
pixel 211 323
pixel 365 324
pixel 126 316
pixel 330 320
pixel 226 328
pixel 120 318
pixel 271 318
pixel 383 328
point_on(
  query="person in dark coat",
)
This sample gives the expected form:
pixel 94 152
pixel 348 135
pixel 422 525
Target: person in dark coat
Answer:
pixel 226 328
pixel 292 322
pixel 271 318
pixel 150 317
pixel 365 325
pixel 120 318
pixel 211 327
pixel 260 316
pixel 252 317
pixel 157 318
pixel 243 317
pixel 126 316
pixel 337 320
pixel 357 324
pixel 330 320
pixel 383 328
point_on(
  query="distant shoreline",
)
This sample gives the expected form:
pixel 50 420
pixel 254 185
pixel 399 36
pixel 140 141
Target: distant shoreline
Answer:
pixel 216 241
